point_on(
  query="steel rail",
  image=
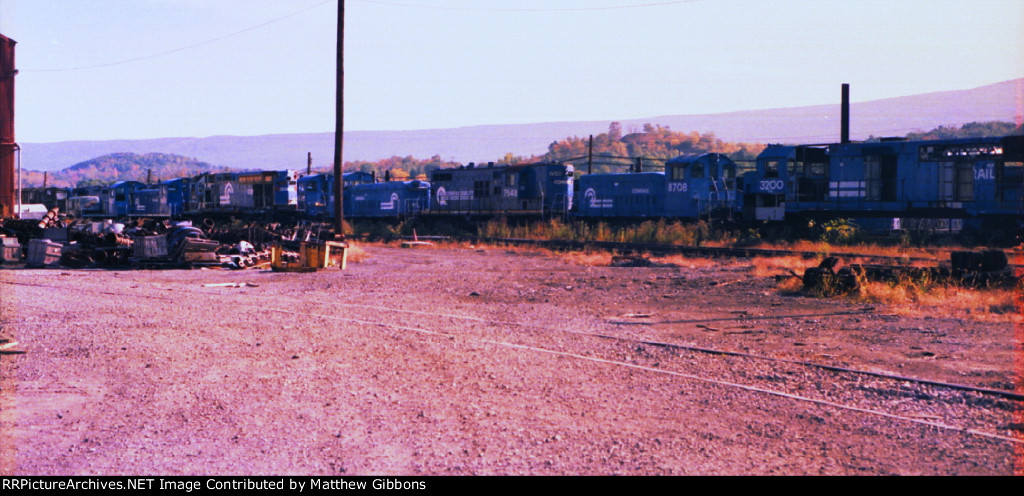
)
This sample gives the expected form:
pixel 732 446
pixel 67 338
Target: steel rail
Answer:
pixel 734 385
pixel 710 251
pixel 1010 395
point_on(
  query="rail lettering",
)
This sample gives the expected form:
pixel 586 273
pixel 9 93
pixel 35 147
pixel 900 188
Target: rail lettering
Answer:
pixel 677 187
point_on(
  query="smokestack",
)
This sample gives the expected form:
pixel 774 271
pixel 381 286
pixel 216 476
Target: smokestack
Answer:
pixel 844 130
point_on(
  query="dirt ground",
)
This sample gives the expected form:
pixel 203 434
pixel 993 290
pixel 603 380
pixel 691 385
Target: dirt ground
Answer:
pixel 455 361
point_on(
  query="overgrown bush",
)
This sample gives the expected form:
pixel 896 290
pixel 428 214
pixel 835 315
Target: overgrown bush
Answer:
pixel 839 232
pixel 651 231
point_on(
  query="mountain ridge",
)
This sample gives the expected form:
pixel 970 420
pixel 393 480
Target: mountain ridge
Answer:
pixel 488 142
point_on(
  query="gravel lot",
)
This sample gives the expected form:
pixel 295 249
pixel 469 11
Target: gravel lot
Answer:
pixel 486 361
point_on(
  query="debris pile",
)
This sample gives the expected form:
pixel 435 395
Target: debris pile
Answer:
pixel 825 279
pixel 977 269
pixel 151 244
pixel 636 261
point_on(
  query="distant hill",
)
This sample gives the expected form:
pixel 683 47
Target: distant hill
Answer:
pixel 121 167
pixel 815 124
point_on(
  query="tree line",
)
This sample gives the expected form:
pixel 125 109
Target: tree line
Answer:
pixel 611 151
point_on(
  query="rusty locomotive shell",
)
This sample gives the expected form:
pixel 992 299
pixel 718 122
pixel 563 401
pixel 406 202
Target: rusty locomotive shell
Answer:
pixel 8 146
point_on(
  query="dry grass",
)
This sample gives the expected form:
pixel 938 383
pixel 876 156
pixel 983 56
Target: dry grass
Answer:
pixel 790 285
pixel 918 300
pixel 783 266
pixel 452 245
pixel 694 262
pixel 650 231
pixel 356 253
pixel 604 259
pixel 587 258
pixel 865 249
pixel 907 298
pixel 910 298
pixel 773 266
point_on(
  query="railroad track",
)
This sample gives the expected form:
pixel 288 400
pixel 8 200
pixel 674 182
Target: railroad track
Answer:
pixel 950 407
pixel 701 251
pixel 705 251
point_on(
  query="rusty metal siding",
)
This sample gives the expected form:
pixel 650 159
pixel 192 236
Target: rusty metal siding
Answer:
pixel 7 142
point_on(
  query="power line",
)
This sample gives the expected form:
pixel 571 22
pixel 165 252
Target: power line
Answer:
pixel 543 9
pixel 188 47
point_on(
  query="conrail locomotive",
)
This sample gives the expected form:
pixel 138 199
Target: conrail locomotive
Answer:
pixel 884 184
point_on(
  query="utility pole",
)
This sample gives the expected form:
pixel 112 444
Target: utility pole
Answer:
pixel 339 126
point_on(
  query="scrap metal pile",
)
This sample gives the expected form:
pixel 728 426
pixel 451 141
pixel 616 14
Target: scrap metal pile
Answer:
pixel 149 244
pixel 979 269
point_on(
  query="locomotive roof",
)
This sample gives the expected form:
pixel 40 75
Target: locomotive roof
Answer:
pixel 776 151
pixel 472 166
pixel 689 159
pixel 134 184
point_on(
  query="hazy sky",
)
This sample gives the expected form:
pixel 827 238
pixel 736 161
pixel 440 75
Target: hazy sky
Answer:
pixel 114 69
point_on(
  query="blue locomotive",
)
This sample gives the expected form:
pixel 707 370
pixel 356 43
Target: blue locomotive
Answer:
pixel 891 184
pixel 883 185
pixel 540 189
pixel 396 199
pixel 316 196
pixel 179 197
pixel 691 187
pixel 258 192
pixel 113 201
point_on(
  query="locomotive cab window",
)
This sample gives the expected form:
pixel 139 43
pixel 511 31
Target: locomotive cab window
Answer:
pixel 697 170
pixel 729 175
pixel 771 168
